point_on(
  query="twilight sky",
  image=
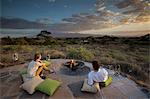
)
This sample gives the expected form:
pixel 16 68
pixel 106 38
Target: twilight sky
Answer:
pixel 83 16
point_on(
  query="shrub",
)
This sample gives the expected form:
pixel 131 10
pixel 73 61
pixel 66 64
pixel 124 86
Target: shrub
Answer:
pixel 73 53
pixel 118 55
pixel 16 48
pixel 80 53
pixel 21 41
pixel 25 48
pixel 133 70
pixel 107 60
pixel 56 54
pixel 6 58
pixel 9 48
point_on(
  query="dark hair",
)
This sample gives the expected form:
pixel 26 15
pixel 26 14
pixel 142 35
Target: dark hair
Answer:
pixel 36 56
pixel 96 66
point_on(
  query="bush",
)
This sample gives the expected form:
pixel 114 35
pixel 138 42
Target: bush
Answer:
pixel 6 58
pixel 107 60
pixel 25 48
pixel 134 71
pixel 118 55
pixel 80 53
pixel 20 41
pixel 56 54
pixel 16 48
pixel 9 48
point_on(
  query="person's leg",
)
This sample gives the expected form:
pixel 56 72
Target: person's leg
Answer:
pixel 45 67
pixel 39 71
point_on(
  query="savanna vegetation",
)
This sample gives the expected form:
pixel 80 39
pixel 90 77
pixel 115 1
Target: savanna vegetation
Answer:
pixel 130 55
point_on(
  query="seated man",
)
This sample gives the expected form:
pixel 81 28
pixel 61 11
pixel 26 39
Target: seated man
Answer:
pixel 36 67
pixel 97 74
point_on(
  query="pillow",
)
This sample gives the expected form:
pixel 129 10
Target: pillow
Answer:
pixel 26 78
pixel 107 82
pixel 48 86
pixel 47 63
pixel 23 71
pixel 90 88
pixel 30 85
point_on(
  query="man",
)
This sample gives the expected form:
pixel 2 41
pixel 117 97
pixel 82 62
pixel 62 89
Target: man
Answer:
pixel 36 67
pixel 97 74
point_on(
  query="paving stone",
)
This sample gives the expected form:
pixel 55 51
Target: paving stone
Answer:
pixel 36 95
pixel 10 97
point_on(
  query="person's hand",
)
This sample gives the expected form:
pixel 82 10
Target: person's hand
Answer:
pixel 38 77
pixel 52 71
pixel 43 64
pixel 40 61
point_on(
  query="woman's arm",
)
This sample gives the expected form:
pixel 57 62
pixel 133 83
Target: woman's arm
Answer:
pixel 45 67
pixel 90 79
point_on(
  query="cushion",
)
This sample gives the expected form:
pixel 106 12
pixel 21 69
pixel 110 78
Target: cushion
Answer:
pixel 23 71
pixel 47 63
pixel 107 82
pixel 26 78
pixel 90 88
pixel 48 86
pixel 30 85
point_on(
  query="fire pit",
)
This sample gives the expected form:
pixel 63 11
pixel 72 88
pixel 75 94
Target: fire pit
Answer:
pixel 73 68
pixel 74 65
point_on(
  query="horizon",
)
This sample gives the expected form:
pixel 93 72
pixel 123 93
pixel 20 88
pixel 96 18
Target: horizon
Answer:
pixel 97 17
pixel 18 34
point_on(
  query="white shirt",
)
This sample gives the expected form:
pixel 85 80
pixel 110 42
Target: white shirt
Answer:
pixel 100 76
pixel 32 68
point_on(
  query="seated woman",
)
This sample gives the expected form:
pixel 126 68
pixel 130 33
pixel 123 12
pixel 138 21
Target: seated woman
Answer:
pixel 97 74
pixel 36 67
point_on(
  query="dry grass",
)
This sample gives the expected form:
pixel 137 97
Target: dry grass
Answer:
pixel 133 58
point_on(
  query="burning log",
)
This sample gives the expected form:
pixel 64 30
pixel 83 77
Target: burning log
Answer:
pixel 73 65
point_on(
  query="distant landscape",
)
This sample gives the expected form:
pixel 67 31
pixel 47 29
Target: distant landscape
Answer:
pixel 130 53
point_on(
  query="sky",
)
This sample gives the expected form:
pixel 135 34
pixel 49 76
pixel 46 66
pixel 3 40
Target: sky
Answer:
pixel 55 10
pixel 80 16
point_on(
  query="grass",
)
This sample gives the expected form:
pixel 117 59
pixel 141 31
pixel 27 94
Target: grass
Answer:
pixel 134 60
pixel 56 54
pixel 80 53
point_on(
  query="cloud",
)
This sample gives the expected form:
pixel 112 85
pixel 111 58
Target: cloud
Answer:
pixel 106 14
pixel 66 6
pixel 46 20
pixel 133 29
pixel 19 23
pixel 84 21
pixel 138 10
pixel 101 18
pixel 127 11
pixel 130 15
pixel 51 1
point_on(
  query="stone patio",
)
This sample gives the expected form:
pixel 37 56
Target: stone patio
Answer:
pixel 121 87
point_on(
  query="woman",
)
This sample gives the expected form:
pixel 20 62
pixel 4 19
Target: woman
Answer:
pixel 36 67
pixel 97 74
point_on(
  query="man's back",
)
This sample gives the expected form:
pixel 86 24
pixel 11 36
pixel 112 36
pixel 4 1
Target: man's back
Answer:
pixel 97 76
pixel 32 68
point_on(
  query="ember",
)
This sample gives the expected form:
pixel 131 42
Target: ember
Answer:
pixel 74 65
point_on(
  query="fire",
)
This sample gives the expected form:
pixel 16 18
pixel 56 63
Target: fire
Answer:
pixel 72 61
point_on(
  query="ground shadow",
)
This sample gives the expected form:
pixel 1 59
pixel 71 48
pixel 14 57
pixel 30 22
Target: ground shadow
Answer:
pixel 81 71
pixel 76 90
